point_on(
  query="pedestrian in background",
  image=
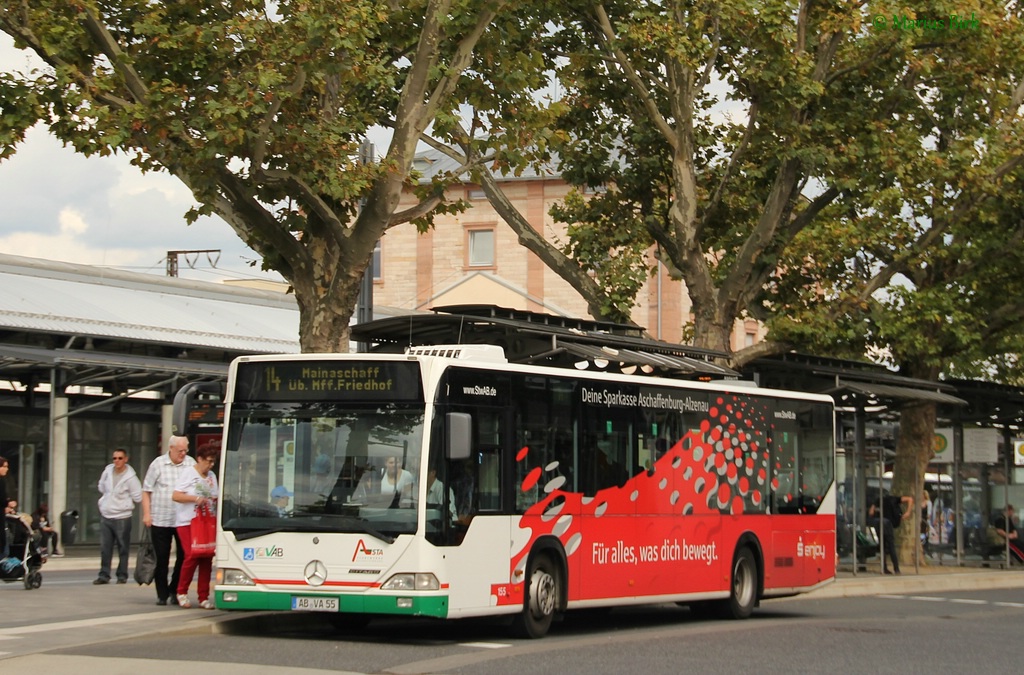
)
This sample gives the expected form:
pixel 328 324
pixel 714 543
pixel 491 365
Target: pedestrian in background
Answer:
pixel 895 509
pixel 120 490
pixel 47 535
pixel 160 515
pixel 196 489
pixel 4 468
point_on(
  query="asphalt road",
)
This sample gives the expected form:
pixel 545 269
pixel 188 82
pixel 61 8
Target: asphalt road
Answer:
pixel 945 623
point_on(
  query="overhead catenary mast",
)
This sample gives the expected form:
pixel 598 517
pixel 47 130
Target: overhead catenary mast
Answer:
pixel 191 258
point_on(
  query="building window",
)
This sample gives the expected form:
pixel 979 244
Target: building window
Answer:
pixel 476 194
pixel 749 339
pixel 375 263
pixel 481 248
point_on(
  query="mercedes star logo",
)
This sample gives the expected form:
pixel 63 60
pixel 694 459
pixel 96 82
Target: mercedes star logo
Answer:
pixel 315 573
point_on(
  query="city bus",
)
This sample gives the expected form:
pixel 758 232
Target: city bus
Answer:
pixel 447 482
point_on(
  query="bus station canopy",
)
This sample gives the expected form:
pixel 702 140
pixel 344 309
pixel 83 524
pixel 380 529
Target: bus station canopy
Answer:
pixel 853 384
pixel 531 337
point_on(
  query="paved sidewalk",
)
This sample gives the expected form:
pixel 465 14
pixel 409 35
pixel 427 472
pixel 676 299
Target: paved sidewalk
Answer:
pixel 931 579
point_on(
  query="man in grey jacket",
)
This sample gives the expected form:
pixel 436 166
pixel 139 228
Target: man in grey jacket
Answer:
pixel 120 490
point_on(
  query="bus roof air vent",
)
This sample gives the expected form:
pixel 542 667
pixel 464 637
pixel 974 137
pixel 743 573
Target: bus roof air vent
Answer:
pixel 491 353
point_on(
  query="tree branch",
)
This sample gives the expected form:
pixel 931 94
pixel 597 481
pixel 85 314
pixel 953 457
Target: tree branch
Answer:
pixel 762 349
pixel 789 231
pixel 1007 317
pixel 260 143
pixel 421 209
pixel 716 46
pixel 963 207
pixel 120 61
pixel 626 67
pixel 761 237
pixel 733 160
pixel 308 197
pixel 250 220
pixel 22 31
pixel 557 261
pixel 461 59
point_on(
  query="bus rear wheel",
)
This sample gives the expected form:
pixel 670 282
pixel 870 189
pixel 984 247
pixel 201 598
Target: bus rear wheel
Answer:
pixel 743 590
pixel 542 592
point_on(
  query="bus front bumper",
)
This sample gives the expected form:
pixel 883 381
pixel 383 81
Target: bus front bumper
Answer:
pixel 402 605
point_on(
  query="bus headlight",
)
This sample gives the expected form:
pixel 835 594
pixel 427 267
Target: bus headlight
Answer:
pixel 229 576
pixel 423 581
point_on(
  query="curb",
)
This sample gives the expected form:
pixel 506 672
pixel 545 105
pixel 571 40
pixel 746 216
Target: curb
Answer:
pixel 849 587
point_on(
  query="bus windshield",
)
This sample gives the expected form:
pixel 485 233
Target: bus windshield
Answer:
pixel 314 467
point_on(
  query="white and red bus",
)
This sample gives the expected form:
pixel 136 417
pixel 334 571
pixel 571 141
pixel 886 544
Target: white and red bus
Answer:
pixel 447 482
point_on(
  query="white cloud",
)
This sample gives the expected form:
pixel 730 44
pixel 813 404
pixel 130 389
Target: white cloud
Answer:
pixel 67 247
pixel 72 222
pixel 56 204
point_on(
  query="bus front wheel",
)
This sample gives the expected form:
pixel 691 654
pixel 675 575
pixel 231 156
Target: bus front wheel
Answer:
pixel 542 591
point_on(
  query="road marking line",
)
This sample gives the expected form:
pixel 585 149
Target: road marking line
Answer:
pixel 961 601
pixel 85 623
pixel 484 645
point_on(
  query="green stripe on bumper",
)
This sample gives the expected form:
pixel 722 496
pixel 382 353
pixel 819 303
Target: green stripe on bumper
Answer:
pixel 434 605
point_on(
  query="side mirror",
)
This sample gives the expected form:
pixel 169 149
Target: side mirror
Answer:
pixel 460 432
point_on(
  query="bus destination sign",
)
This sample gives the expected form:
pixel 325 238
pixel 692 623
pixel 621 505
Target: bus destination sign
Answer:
pixel 328 381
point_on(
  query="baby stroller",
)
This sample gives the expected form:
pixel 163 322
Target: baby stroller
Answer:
pixel 24 560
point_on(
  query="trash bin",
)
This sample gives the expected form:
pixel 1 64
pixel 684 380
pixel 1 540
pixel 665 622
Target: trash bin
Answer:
pixel 68 527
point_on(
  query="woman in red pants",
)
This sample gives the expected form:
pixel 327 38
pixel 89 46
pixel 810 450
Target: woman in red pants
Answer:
pixel 197 489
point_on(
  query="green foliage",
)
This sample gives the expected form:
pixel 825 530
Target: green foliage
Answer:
pixel 924 269
pixel 260 109
pixel 788 159
pixel 602 243
pixel 20 109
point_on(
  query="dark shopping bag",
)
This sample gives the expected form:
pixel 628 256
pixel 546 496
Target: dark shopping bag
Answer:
pixel 145 561
pixel 203 531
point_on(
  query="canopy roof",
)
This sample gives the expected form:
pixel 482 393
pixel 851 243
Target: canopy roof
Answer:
pixel 532 337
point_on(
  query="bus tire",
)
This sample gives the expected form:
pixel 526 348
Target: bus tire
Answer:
pixel 542 592
pixel 743 587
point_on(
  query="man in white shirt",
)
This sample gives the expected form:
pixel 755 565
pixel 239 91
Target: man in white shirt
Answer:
pixel 158 514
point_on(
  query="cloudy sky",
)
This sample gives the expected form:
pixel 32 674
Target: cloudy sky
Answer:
pixel 59 205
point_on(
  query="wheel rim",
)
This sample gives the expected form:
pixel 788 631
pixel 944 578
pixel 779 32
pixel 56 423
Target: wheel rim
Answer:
pixel 743 582
pixel 542 594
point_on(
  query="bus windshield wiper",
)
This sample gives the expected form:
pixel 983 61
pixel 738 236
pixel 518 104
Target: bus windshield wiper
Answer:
pixel 252 534
pixel 358 524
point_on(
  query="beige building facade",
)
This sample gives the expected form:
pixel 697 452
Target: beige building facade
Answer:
pixel 475 258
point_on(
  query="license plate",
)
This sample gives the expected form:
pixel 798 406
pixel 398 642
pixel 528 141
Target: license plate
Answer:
pixel 311 604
